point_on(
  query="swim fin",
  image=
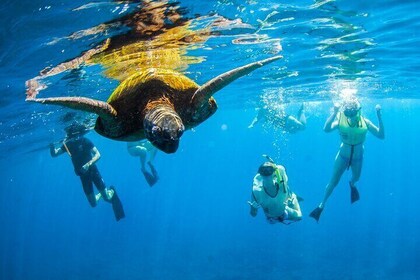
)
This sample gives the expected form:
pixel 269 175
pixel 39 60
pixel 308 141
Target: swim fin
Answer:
pixel 117 205
pixel 299 198
pixel 151 180
pixel 153 169
pixel 316 213
pixel 354 194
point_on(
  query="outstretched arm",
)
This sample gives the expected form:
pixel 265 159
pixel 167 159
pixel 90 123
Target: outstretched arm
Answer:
pixel 56 151
pixel 253 206
pixel 377 131
pixel 153 152
pixel 330 124
pixel 252 202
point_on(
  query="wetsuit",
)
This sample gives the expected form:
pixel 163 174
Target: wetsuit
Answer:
pixel 80 151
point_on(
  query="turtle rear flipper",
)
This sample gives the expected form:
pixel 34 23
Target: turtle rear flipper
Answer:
pixel 102 109
pixel 211 87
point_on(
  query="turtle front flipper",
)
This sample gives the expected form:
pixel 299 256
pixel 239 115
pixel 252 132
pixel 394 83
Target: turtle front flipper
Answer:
pixel 211 87
pixel 102 109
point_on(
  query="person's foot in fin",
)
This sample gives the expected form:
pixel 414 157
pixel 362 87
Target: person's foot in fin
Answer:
pixel 354 193
pixel 110 193
pixel 316 213
pixel 154 172
pixel 117 206
pixel 151 180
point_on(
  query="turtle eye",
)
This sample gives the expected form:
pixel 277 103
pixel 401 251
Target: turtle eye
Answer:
pixel 156 130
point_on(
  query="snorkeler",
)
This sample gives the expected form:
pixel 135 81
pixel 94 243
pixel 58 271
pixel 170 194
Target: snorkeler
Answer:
pixel 271 192
pixel 280 119
pixel 84 155
pixel 143 149
pixel 353 128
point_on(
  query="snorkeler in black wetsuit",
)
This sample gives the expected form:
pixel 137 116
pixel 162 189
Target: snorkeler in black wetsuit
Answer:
pixel 84 155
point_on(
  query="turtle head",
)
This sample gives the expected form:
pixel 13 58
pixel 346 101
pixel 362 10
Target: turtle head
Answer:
pixel 163 128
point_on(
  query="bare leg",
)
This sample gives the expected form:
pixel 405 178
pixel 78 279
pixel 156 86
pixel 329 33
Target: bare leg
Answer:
pixel 293 124
pixel 152 154
pixel 141 152
pixel 142 157
pixel 301 115
pixel 151 178
pixel 340 166
pixel 356 169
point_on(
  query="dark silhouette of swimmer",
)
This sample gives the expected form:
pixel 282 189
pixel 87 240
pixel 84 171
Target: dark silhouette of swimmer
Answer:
pixel 84 155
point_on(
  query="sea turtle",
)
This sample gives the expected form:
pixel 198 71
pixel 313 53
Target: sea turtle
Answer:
pixel 157 104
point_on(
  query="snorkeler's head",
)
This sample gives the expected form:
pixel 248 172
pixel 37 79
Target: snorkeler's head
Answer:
pixel 75 130
pixel 351 108
pixel 267 169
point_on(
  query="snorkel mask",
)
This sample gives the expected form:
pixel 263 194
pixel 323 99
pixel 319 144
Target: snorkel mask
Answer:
pixel 268 167
pixel 75 131
pixel 352 108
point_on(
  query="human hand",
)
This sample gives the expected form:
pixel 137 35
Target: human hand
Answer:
pixel 52 150
pixel 378 110
pixel 85 168
pixel 253 204
pixel 336 107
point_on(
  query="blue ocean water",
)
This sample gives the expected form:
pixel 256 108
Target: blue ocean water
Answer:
pixel 195 223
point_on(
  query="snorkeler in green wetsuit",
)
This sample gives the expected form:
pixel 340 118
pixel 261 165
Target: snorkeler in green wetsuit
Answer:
pixel 353 128
pixel 271 192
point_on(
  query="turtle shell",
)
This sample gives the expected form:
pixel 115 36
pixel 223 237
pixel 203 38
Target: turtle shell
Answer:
pixel 130 98
pixel 147 81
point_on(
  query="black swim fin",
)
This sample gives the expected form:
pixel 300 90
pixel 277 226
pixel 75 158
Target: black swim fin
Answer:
pixel 354 194
pixel 153 169
pixel 117 205
pixel 316 213
pixel 151 180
